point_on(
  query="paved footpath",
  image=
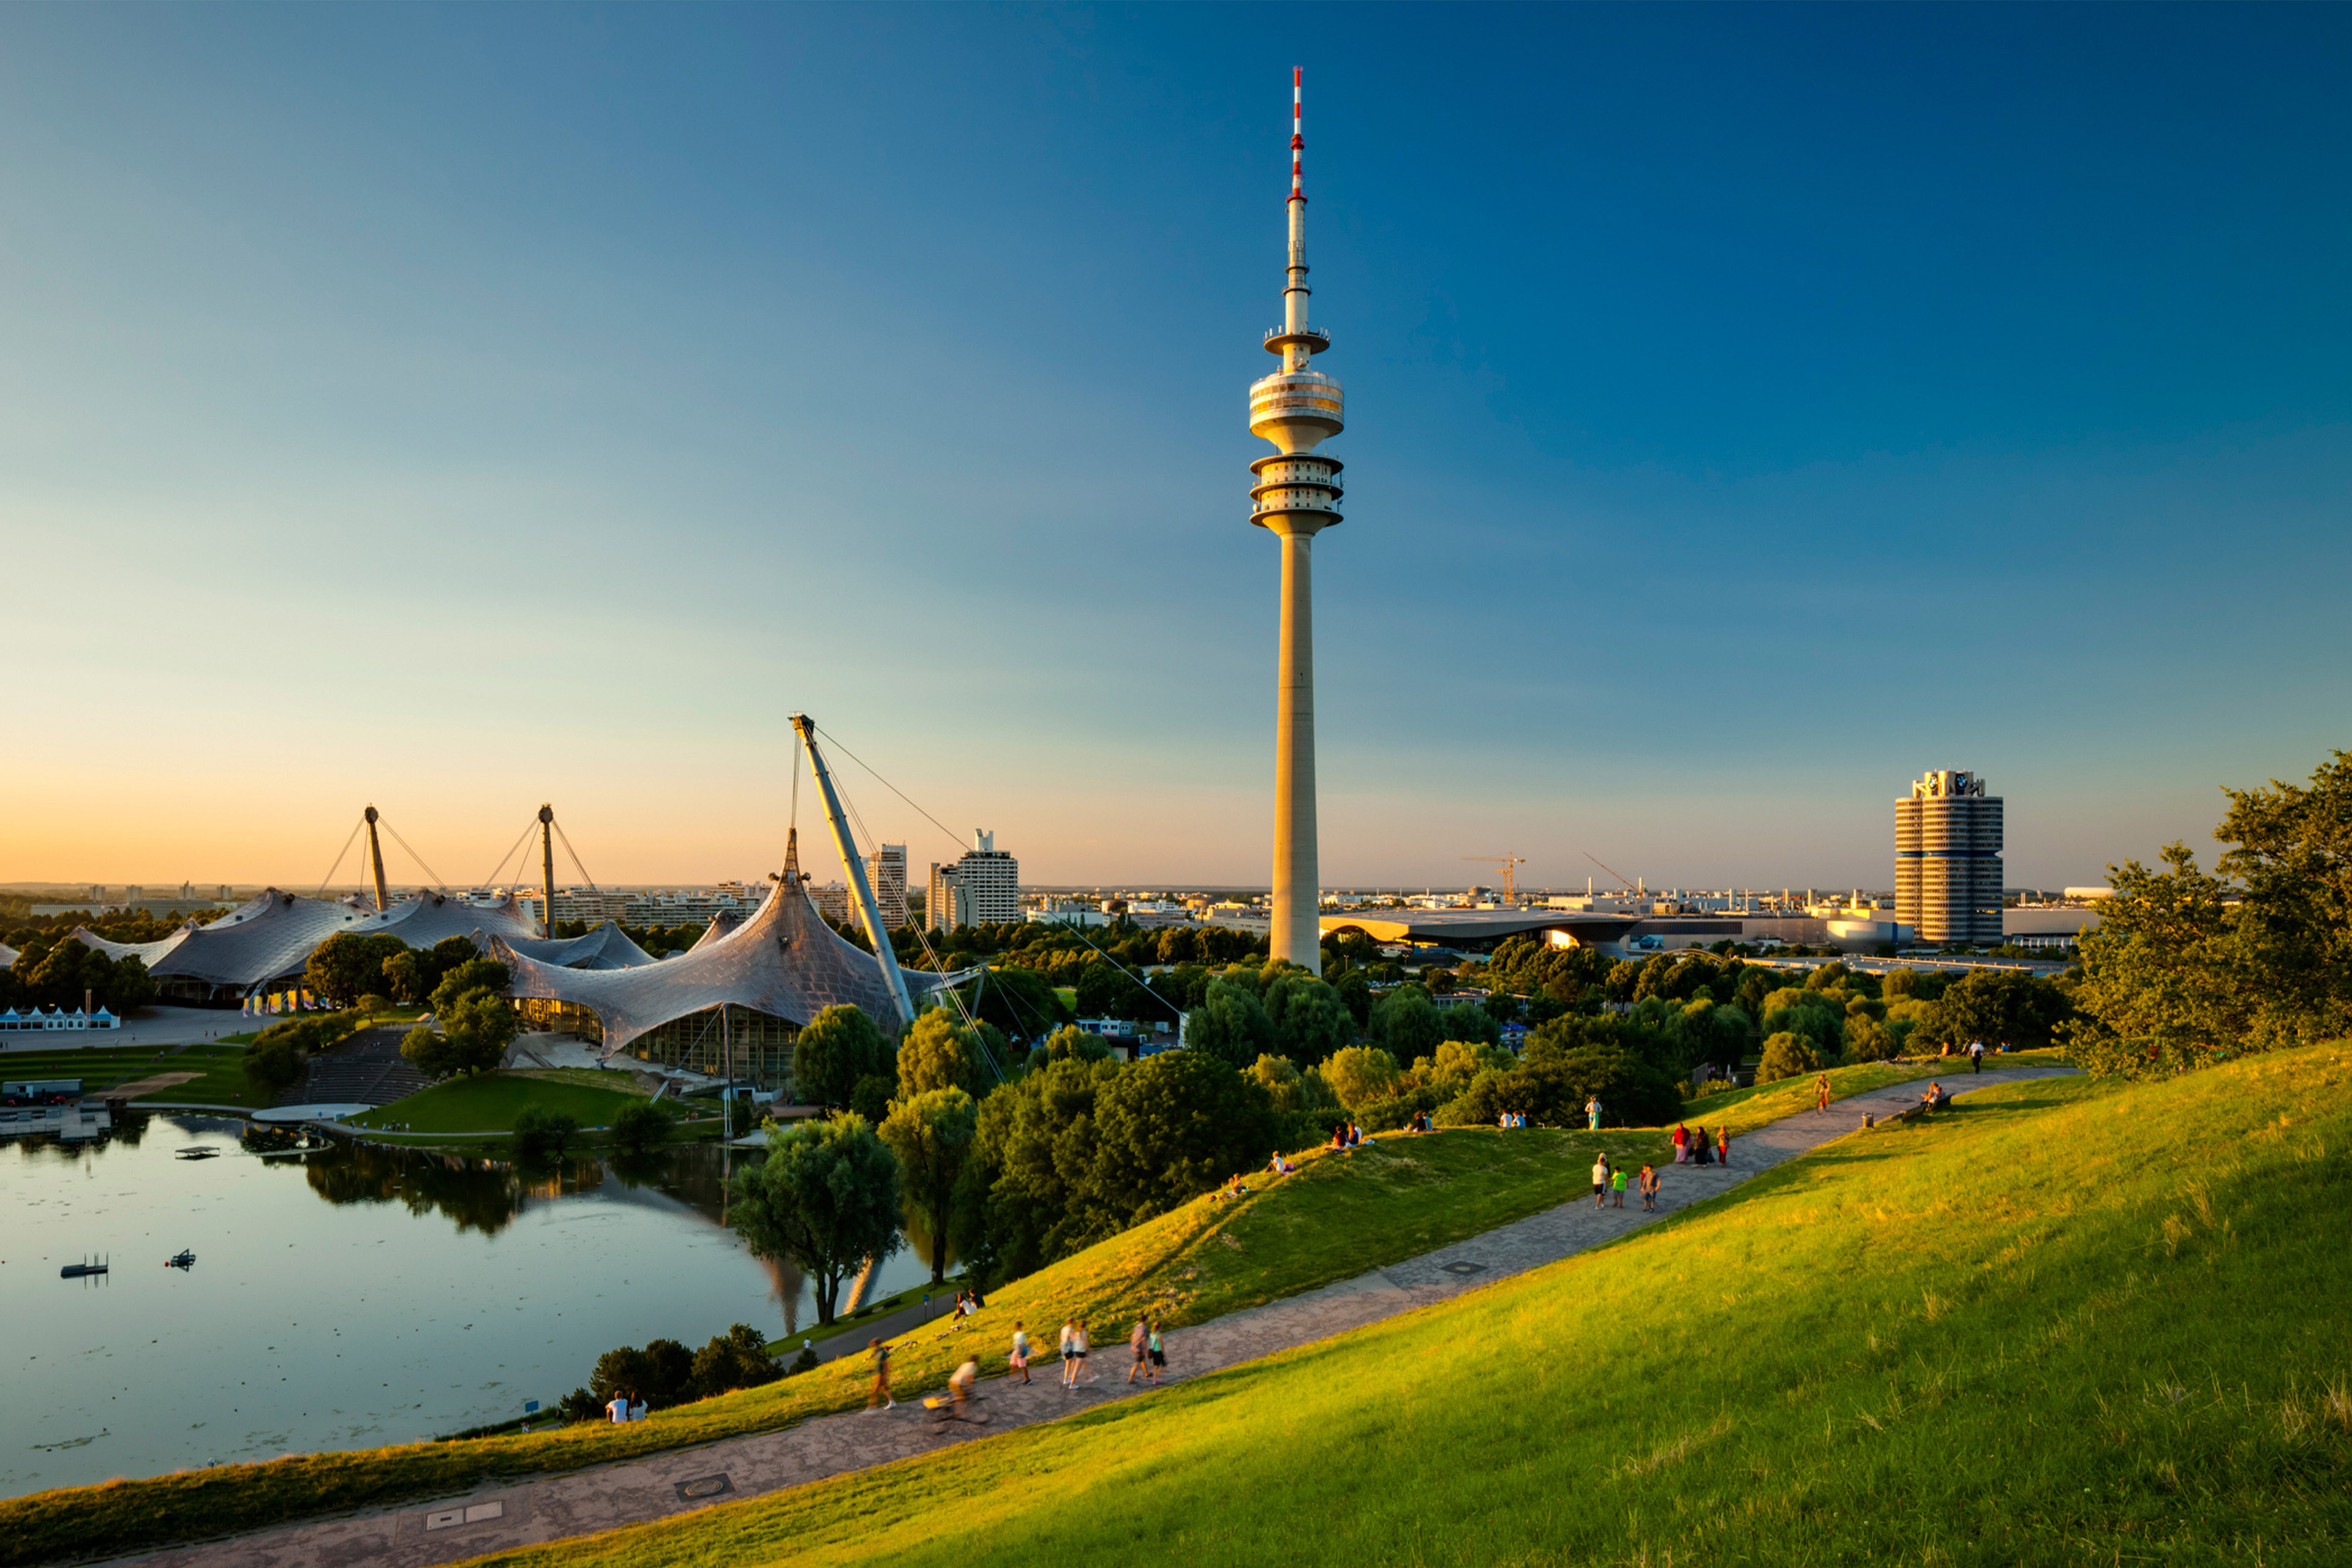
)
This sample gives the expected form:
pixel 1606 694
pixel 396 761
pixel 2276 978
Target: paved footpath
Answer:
pixel 499 1518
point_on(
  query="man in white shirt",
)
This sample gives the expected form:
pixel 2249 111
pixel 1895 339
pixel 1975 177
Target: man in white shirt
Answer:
pixel 618 1409
pixel 1600 1180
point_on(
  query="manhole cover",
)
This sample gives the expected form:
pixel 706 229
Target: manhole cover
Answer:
pixel 702 1487
pixel 1462 1267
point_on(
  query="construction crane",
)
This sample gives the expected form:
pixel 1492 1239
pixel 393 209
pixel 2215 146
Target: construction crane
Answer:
pixel 1604 866
pixel 1510 864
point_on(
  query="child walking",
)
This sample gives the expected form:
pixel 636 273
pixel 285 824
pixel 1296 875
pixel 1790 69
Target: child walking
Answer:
pixel 881 1355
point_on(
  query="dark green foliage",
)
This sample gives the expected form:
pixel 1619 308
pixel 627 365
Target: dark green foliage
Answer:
pixel 870 1095
pixel 1019 1000
pixel 413 973
pixel 65 972
pixel 474 975
pixel 840 1046
pixel 1019 1203
pixel 931 1133
pixel 272 1066
pixel 1168 1129
pixel 1066 1044
pixel 346 966
pixel 1355 994
pixel 581 1406
pixel 1308 1018
pixel 939 1053
pixel 641 1127
pixel 1231 1023
pixel 826 1198
pixel 736 1359
pixel 1789 1056
pixel 1998 1007
pixel 1406 1024
pixel 1560 1070
pixel 1470 1021
pixel 542 1135
pixel 808 1360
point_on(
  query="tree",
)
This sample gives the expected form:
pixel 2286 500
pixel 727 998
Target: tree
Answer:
pixel 1406 1022
pixel 836 1049
pixel 347 965
pixel 1230 1023
pixel 542 1135
pixel 427 1051
pixel 1310 1020
pixel 1017 1000
pixel 1360 1075
pixel 479 1029
pixel 1459 1061
pixel 1355 994
pixel 1105 990
pixel 272 1066
pixel 474 975
pixel 938 1053
pixel 1170 1128
pixel 737 1359
pixel 1470 1021
pixel 1787 1055
pixel 931 1133
pixel 413 972
pixel 1017 1207
pixel 642 1127
pixel 825 1198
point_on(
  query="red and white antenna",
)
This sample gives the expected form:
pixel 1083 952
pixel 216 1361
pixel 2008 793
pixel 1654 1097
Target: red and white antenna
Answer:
pixel 1297 136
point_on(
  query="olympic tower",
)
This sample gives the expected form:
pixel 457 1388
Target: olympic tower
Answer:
pixel 1295 498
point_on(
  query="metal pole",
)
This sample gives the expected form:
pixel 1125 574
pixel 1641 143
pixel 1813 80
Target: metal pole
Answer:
pixel 860 886
pixel 547 865
pixel 375 860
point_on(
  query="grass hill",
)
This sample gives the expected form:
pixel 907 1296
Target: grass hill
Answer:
pixel 488 1104
pixel 1332 1220
pixel 2070 1322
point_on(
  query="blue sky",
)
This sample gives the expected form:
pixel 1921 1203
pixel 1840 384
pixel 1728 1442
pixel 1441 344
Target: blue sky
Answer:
pixel 1751 408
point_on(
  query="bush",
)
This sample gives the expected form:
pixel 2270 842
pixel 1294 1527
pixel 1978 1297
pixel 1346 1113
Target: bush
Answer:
pixel 374 1002
pixel 871 1096
pixel 1551 1087
pixel 581 1406
pixel 1787 1055
pixel 272 1066
pixel 642 1127
pixel 541 1134
pixel 1388 1115
pixel 804 1362
pixel 736 1359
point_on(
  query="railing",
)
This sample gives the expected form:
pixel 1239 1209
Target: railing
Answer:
pixel 1316 332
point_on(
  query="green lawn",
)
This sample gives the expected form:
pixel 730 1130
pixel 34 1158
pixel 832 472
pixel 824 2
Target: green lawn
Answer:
pixel 1335 1218
pixel 488 1104
pixel 2067 1322
pixel 102 1067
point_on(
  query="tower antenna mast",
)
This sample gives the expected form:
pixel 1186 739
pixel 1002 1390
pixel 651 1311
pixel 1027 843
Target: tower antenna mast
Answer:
pixel 1296 497
pixel 860 888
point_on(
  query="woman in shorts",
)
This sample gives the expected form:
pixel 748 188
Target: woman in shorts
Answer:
pixel 1020 1362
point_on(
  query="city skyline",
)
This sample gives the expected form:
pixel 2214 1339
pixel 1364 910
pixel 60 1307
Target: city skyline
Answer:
pixel 462 410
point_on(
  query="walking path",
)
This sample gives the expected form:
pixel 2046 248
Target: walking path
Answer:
pixel 637 1491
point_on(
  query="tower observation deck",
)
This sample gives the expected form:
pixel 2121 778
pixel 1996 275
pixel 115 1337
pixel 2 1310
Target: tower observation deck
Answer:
pixel 1296 497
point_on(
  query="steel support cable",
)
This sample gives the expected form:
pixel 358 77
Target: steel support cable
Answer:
pixel 339 856
pixel 574 853
pixel 413 855
pixel 935 822
pixel 521 840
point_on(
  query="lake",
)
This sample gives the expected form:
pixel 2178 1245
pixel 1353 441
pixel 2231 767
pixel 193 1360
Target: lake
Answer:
pixel 342 1298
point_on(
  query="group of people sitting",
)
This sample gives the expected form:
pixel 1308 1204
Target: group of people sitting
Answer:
pixel 1510 1119
pixel 1694 1150
pixel 622 1407
pixel 1347 1135
pixel 968 1302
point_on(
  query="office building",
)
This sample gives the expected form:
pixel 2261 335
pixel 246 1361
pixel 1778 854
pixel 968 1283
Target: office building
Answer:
pixel 1947 860
pixel 983 888
pixel 888 869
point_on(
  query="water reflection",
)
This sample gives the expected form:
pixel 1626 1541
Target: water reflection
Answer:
pixel 475 1194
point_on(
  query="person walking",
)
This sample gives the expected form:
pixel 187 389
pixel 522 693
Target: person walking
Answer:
pixel 1976 1055
pixel 1723 1145
pixel 1138 1340
pixel 1682 1144
pixel 1158 1353
pixel 1079 1347
pixel 1600 1180
pixel 1822 1093
pixel 1649 1189
pixel 1617 1186
pixel 1069 1353
pixel 1020 1362
pixel 1592 1114
pixel 1699 1147
pixel 881 1355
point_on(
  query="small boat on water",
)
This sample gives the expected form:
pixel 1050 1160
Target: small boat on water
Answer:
pixel 186 1259
pixel 77 1270
pixel 198 1152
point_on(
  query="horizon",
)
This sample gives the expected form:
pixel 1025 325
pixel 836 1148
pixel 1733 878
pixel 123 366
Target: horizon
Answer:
pixel 1751 410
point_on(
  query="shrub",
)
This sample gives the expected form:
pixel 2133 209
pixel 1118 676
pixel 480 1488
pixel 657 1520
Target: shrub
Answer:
pixel 581 1406
pixel 642 1127
pixel 272 1066
pixel 804 1362
pixel 736 1359
pixel 542 1134
pixel 870 1097
pixel 1388 1115
pixel 1787 1055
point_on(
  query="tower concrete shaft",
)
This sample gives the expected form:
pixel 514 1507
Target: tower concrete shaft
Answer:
pixel 1297 497
pixel 375 862
pixel 547 867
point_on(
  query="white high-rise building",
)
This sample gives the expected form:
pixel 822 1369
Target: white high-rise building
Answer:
pixel 981 889
pixel 1947 842
pixel 1297 497
pixel 888 869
